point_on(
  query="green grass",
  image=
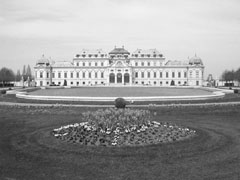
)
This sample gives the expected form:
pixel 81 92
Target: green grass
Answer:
pixel 121 92
pixel 29 151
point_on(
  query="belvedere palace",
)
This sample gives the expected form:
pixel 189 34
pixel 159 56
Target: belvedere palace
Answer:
pixel 119 67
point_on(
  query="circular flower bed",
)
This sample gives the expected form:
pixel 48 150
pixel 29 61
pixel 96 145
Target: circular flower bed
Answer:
pixel 121 127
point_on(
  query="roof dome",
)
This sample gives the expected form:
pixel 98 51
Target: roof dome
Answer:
pixel 43 60
pixel 195 60
pixel 119 51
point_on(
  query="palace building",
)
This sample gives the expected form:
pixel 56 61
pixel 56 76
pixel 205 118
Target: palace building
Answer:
pixel 119 67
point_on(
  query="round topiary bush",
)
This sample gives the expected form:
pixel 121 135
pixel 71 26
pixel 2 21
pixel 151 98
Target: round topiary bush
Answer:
pixel 120 103
pixel 3 91
pixel 235 91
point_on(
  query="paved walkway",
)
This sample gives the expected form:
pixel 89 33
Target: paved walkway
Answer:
pixel 132 105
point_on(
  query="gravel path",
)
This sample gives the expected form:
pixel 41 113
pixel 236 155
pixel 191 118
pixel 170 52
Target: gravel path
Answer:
pixel 81 105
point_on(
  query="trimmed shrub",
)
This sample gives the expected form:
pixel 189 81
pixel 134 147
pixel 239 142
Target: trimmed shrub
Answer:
pixel 120 103
pixel 3 91
pixel 235 91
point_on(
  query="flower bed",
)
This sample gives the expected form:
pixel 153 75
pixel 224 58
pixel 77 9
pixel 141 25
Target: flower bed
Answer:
pixel 121 127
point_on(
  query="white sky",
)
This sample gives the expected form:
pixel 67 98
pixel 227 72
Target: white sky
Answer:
pixel 177 28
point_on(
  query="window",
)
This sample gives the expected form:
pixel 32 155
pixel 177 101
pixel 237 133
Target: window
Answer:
pixel 53 75
pixel 83 74
pixel 136 74
pixel 148 63
pixel 166 82
pixel 41 75
pixel 89 64
pixel 136 55
pixel 47 83
pixel 71 82
pixel 77 83
pixel 173 74
pixel 142 64
pixel 185 74
pixel 142 55
pixel 59 75
pixel 149 74
pixel 197 74
pixel 160 82
pixel 96 75
pixel 102 74
pixel 96 55
pixel 89 75
pixel 166 74
pixel 83 63
pixel 77 74
pixel 197 83
pixel 77 64
pixel 101 63
pixel 95 63
pixel 160 74
pixel 179 74
pixel 65 75
pixel 71 75
pixel 47 75
pixel 154 82
pixel 190 74
pixel 155 74
pixel 136 64
pixel 142 74
pixel 89 55
pixel 179 82
pixel 83 82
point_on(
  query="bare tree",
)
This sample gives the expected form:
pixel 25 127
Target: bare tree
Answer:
pixel 18 75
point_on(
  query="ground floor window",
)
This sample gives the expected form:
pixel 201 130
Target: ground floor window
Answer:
pixel 59 83
pixel 77 83
pixel 197 83
pixel 71 82
pixel 83 82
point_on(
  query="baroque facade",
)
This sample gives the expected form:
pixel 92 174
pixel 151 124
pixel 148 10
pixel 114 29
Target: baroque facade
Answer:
pixel 119 67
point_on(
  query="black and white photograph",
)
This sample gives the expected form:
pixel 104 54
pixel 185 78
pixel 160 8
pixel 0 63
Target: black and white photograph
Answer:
pixel 119 90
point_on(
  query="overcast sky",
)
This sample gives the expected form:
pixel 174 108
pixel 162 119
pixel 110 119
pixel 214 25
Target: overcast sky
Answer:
pixel 178 28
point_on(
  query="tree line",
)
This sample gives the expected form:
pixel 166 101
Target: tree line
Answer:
pixel 7 75
pixel 231 75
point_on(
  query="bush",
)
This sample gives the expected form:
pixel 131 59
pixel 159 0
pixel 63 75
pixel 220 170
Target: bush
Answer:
pixel 120 103
pixel 3 91
pixel 235 91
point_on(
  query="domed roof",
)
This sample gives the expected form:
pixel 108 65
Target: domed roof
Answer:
pixel 43 60
pixel 195 60
pixel 119 51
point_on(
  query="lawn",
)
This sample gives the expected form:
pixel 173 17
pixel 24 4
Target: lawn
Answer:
pixel 121 92
pixel 29 151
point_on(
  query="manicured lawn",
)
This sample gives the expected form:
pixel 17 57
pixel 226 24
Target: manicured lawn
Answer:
pixel 29 151
pixel 121 91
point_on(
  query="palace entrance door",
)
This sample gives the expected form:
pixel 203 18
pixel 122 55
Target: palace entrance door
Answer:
pixel 112 78
pixel 126 78
pixel 119 78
